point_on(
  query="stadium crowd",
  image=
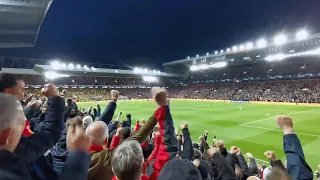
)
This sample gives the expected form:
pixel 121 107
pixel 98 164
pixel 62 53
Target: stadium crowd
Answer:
pixel 299 91
pixel 50 138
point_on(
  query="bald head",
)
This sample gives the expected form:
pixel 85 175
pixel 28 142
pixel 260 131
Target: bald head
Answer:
pixel 220 144
pixel 98 131
pixel 10 110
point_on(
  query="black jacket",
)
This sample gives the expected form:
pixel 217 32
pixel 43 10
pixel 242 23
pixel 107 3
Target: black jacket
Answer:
pixel 31 148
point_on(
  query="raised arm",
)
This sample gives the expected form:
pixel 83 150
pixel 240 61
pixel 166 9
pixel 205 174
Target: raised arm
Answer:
pixel 297 166
pixel 32 147
pixel 168 145
pixel 187 152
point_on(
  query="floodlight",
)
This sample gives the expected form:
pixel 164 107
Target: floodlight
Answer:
pixel 71 66
pixel 207 54
pixel 280 39
pixel 188 57
pixel 54 75
pixel 145 70
pixel 261 43
pixel 55 65
pixel 215 52
pixel 158 72
pixel 193 68
pixel 116 71
pixel 221 51
pixel 93 68
pixel 302 34
pixel 154 71
pixel 249 45
pixel 228 49
pixel 276 57
pixel 219 64
pixel 85 67
pixel 203 66
pixel 197 55
pixel 241 47
pixel 78 66
pixel 150 78
pixel 63 65
pixel 235 48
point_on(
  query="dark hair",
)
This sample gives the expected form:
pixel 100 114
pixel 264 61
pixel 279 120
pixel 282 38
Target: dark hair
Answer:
pixel 7 81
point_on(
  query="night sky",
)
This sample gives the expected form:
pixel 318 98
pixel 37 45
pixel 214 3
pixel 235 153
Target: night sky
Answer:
pixel 144 32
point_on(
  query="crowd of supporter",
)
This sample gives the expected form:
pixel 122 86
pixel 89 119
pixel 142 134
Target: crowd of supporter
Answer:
pixel 299 91
pixel 49 137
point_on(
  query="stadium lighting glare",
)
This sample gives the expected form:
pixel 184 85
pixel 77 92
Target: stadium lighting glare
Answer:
pixel 302 35
pixel 85 67
pixel 228 49
pixel 261 43
pixel 203 66
pixel 55 65
pixel 78 66
pixel 188 57
pixel 280 39
pixel 93 68
pixel 193 68
pixel 63 65
pixel 219 65
pixel 241 47
pixel 154 71
pixel 221 51
pixel 197 55
pixel 53 75
pixel 207 54
pixel 276 57
pixel 249 45
pixel 215 52
pixel 71 66
pixel 158 72
pixel 116 71
pixel 235 48
pixel 150 79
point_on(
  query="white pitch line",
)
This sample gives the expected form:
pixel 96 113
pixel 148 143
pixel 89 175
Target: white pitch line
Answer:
pixel 273 117
pixel 271 129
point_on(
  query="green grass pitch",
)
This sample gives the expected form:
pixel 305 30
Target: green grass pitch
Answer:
pixel 253 129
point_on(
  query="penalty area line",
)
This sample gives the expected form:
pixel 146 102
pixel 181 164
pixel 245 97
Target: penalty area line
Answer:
pixel 269 117
pixel 271 129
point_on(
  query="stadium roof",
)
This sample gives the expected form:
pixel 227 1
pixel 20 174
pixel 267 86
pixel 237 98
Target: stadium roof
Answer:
pixel 20 21
pixel 235 53
pixel 78 70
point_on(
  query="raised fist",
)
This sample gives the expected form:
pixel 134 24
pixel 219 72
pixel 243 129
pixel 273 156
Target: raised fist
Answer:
pixel 160 95
pixel 285 123
pixel 119 131
pixel 128 116
pixel 50 90
pixel 184 125
pixel 270 155
pixel 234 150
pixel 77 140
pixel 114 94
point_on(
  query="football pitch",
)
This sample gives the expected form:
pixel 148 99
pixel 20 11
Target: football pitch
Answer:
pixel 253 129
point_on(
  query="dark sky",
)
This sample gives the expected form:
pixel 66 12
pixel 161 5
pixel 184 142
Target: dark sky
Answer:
pixel 141 32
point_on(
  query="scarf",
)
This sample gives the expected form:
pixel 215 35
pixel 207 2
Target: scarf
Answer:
pixel 26 131
pixel 95 148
